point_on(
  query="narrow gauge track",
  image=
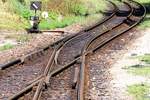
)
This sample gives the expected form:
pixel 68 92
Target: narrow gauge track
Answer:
pixel 61 82
pixel 99 41
pixel 26 65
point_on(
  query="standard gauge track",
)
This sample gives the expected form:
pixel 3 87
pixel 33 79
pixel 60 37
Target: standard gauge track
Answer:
pixel 64 74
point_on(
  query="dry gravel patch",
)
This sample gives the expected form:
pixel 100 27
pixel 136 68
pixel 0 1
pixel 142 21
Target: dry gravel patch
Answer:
pixel 37 42
pixel 121 78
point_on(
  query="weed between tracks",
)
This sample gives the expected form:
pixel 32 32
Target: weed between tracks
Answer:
pixel 139 91
pixel 6 47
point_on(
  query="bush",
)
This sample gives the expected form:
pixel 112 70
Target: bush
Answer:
pixel 76 8
pixel 52 24
pixel 53 15
pixel 79 9
pixel 26 13
pixel 20 8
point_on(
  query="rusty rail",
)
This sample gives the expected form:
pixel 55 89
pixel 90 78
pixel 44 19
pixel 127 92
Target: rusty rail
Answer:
pixel 45 78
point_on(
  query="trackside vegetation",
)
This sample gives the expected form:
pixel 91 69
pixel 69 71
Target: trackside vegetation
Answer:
pixel 143 68
pixel 146 22
pixel 6 46
pixel 14 14
pixel 139 91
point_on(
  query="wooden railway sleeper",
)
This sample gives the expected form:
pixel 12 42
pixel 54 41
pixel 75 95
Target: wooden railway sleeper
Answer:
pixel 76 74
pixel 129 22
pixel 76 77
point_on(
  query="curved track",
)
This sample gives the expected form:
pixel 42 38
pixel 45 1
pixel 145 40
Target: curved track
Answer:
pixel 64 74
pixel 137 14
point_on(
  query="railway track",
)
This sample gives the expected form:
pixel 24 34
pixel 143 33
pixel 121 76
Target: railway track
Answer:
pixel 99 41
pixel 64 76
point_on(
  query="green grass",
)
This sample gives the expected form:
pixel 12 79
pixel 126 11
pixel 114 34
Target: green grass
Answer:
pixel 12 21
pixel 139 70
pixel 12 15
pixel 77 7
pixel 145 23
pixel 143 70
pixel 143 1
pixel 88 22
pixel 78 14
pixel 52 24
pixel 89 7
pixel 6 47
pixel 144 58
pixel 82 20
pixel 19 37
pixel 139 91
pixel 15 14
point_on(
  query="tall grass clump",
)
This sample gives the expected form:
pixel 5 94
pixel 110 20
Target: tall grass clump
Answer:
pixel 71 11
pixel 20 7
pixel 61 12
pixel 10 17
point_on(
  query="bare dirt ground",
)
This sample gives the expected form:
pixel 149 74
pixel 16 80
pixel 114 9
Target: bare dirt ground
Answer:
pixel 38 41
pixel 121 78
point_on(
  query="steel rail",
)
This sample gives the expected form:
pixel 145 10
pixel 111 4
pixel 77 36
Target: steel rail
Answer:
pixel 61 69
pixel 66 67
pixel 82 75
pixel 80 91
pixel 54 73
pixel 40 84
pixel 113 15
pixel 63 40
pixel 56 52
pixel 89 28
pixel 50 75
pixel 101 22
pixel 46 72
pixel 41 79
pixel 99 35
pixel 106 41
